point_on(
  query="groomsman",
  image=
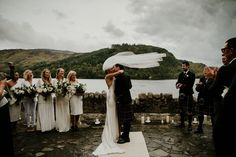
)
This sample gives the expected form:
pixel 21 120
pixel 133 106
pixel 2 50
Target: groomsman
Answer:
pixel 185 84
pixel 11 73
pixel 223 130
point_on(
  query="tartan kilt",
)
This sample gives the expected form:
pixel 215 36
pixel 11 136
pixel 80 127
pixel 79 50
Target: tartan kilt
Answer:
pixel 185 103
pixel 125 112
pixel 204 107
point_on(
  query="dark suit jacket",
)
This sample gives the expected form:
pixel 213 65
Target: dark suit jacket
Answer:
pixel 224 77
pixel 188 81
pixel 225 111
pixel 122 89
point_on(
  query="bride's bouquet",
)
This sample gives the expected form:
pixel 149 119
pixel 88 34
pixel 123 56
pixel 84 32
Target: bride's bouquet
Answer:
pixel 46 90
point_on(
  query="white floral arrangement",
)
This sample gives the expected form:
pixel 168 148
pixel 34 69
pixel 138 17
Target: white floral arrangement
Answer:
pixel 29 91
pixel 76 89
pixel 18 93
pixel 80 89
pixel 61 88
pixel 45 90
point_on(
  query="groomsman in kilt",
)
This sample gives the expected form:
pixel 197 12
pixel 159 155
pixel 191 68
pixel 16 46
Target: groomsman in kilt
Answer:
pixel 123 102
pixel 185 84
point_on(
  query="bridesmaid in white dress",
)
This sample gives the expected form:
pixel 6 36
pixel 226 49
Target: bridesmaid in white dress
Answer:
pixel 76 101
pixel 14 105
pixel 45 112
pixel 29 102
pixel 61 104
pixel 110 132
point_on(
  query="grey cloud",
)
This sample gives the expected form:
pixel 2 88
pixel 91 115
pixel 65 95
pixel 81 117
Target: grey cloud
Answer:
pixel 59 14
pixel 113 30
pixel 22 34
pixel 196 28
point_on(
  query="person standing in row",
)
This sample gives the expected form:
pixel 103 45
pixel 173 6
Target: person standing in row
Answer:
pixel 204 99
pixel 185 84
pixel 45 114
pixel 29 101
pixel 14 104
pixel 11 73
pixel 75 100
pixel 61 102
pixel 6 142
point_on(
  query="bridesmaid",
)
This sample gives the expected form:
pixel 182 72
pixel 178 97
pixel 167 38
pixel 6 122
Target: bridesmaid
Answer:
pixel 29 102
pixel 45 113
pixel 76 101
pixel 61 103
pixel 14 105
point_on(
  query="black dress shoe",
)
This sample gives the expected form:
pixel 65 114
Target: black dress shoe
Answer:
pixel 123 140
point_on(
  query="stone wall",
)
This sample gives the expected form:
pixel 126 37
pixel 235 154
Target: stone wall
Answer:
pixel 145 103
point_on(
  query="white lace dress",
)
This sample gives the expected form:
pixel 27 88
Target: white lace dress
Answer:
pixel 14 107
pixel 76 103
pixel 45 112
pixel 29 107
pixel 110 132
pixel 62 112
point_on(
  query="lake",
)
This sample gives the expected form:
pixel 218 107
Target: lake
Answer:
pixel 139 86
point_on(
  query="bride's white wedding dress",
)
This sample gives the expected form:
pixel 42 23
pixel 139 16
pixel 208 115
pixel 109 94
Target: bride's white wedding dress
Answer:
pixel 110 132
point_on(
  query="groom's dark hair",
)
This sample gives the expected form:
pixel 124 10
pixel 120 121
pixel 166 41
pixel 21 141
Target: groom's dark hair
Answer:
pixel 120 66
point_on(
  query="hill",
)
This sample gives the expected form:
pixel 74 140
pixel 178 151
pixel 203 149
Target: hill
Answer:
pixel 89 65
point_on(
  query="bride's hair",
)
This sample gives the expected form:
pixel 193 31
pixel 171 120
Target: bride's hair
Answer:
pixel 120 66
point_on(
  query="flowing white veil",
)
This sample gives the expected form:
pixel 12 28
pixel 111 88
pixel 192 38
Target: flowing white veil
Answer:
pixel 129 59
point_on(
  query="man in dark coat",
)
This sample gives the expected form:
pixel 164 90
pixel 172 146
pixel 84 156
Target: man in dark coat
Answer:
pixel 185 84
pixel 11 73
pixel 223 132
pixel 204 99
pixel 123 102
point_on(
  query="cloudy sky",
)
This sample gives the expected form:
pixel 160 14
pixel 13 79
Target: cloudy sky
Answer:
pixel 191 30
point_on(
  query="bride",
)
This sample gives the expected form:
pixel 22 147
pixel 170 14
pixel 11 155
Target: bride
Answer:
pixel 110 132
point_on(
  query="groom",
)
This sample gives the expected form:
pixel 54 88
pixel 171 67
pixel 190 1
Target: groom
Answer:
pixel 123 103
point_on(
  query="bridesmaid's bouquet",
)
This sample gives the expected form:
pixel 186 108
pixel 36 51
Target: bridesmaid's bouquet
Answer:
pixel 61 88
pixel 18 93
pixel 46 90
pixel 29 91
pixel 80 89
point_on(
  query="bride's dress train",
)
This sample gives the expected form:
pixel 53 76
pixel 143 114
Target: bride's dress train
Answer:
pixel 110 132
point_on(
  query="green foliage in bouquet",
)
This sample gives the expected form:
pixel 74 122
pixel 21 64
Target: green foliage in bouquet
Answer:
pixel 29 91
pixel 18 93
pixel 61 88
pixel 46 90
pixel 80 89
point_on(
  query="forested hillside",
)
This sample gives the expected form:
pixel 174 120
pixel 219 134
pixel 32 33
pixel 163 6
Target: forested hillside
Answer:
pixel 89 65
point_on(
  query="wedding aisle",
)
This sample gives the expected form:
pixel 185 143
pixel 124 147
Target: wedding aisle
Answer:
pixel 136 147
